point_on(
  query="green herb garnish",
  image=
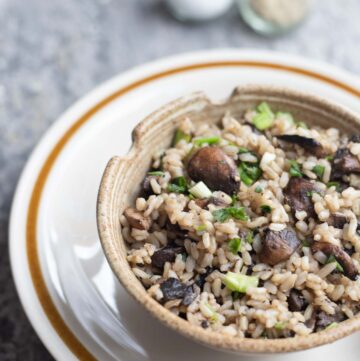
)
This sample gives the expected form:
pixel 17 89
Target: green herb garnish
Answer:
pixel 329 157
pixel 319 170
pixel 235 295
pixel 332 325
pixel 234 245
pixel 301 125
pixel 234 199
pixel 249 238
pixel 339 267
pixel 309 193
pixel 201 228
pixel 180 135
pixel 157 173
pixel 249 172
pixel 287 116
pixel 334 184
pixel 258 189
pixel 239 282
pixel 178 185
pixel 222 215
pixel 264 117
pixel 295 170
pixel 279 326
pixel 209 140
pixel 305 243
pixel 265 209
pixel 243 150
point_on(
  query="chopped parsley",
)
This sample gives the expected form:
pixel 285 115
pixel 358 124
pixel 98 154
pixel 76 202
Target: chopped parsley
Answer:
pixel 264 117
pixel 222 215
pixel 339 267
pixel 180 135
pixel 265 209
pixel 249 172
pixel 319 170
pixel 207 140
pixel 178 185
pixel 234 245
pixel 334 184
pixel 157 173
pixel 295 170
pixel 258 189
pixel 243 150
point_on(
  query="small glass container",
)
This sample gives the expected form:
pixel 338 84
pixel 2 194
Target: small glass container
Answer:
pixel 273 17
pixel 197 10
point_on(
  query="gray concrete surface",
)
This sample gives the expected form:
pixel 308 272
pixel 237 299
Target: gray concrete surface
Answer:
pixel 54 51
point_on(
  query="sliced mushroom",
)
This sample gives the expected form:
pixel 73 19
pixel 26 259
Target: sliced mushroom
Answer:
pixel 173 289
pixel 340 255
pixel 174 231
pixel 165 254
pixel 298 195
pixel 337 220
pixel 201 278
pixel 137 220
pixel 296 301
pixel 146 185
pixel 355 138
pixel 344 163
pixel 203 203
pixel 309 144
pixel 323 319
pixel 278 246
pixel 216 169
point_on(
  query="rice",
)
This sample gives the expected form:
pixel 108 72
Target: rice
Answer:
pixel 184 247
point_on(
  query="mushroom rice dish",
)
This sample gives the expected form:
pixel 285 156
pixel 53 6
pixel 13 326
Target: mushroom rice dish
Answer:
pixel 249 227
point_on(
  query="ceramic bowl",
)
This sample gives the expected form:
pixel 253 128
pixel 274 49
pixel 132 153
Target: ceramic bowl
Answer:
pixel 123 175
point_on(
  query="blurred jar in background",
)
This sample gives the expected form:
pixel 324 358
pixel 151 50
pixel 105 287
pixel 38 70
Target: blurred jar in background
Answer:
pixel 273 17
pixel 197 10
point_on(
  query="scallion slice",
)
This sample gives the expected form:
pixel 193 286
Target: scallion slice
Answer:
pixel 240 282
pixel 200 190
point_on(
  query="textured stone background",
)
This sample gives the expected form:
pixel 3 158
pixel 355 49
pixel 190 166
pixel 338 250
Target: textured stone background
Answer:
pixel 54 51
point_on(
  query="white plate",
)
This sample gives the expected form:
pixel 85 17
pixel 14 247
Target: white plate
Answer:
pixel 67 289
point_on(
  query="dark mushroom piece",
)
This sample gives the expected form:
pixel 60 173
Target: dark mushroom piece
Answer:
pixel 323 319
pixel 165 254
pixel 338 220
pixel 173 289
pixel 298 195
pixel 137 220
pixel 174 231
pixel 355 138
pixel 216 169
pixel 296 301
pixel 344 163
pixel 309 144
pixel 146 189
pixel 201 278
pixel 340 255
pixel 278 246
pixel 203 203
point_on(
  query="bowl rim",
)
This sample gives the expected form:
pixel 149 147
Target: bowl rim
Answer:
pixel 196 333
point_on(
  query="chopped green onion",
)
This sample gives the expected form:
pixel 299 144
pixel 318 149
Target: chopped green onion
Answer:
pixel 209 140
pixel 249 173
pixel 180 135
pixel 279 326
pixel 201 228
pixel 309 193
pixel 265 209
pixel 234 199
pixel 339 267
pixel 319 170
pixel 301 125
pixel 240 282
pixel 200 190
pixel 243 150
pixel 178 185
pixel 210 312
pixel 332 325
pixel 234 245
pixel 249 237
pixel 157 173
pixel 222 215
pixel 305 243
pixel 334 184
pixel 286 116
pixel 295 169
pixel 258 189
pixel 329 157
pixel 264 117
